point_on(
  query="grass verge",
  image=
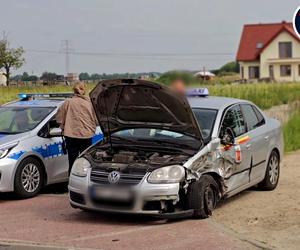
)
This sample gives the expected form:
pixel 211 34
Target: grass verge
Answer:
pixel 291 132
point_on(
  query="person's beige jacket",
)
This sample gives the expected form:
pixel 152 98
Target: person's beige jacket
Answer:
pixel 77 117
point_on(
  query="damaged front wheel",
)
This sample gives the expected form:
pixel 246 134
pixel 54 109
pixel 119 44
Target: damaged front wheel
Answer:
pixel 202 196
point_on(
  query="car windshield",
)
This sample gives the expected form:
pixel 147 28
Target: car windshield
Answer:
pixel 14 120
pixel 159 136
pixel 206 119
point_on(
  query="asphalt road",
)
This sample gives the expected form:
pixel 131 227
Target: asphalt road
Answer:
pixel 48 222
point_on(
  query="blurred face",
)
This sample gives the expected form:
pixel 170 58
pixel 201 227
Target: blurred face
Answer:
pixel 179 86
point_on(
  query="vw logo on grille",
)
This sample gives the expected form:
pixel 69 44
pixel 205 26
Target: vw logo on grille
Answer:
pixel 114 177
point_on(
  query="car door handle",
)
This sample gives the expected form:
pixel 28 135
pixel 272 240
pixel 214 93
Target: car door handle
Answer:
pixel 267 138
pixel 248 146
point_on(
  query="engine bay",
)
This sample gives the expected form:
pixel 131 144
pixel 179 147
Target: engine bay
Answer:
pixel 122 159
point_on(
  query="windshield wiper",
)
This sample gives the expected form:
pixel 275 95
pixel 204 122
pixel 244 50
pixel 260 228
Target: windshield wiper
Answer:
pixel 122 139
pixel 6 133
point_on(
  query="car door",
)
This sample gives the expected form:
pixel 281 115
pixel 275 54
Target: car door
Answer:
pixel 255 123
pixel 239 172
pixel 54 153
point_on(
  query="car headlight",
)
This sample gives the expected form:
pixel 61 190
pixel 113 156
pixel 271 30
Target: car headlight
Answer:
pixel 80 167
pixel 5 150
pixel 169 174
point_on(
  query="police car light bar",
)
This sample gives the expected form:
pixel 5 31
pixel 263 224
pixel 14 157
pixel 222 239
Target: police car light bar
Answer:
pixel 202 92
pixel 50 95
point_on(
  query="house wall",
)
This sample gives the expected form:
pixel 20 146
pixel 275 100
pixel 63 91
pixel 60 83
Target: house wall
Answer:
pixel 2 80
pixel 246 66
pixel 272 51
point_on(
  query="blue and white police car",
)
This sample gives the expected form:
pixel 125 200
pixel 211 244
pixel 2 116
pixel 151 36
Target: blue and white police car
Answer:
pixel 32 152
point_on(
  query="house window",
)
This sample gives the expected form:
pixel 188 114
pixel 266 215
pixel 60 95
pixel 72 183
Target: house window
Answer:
pixel 253 72
pixel 285 70
pixel 242 72
pixel 285 49
pixel 271 72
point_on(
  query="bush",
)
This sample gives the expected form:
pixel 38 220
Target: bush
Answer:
pixel 171 76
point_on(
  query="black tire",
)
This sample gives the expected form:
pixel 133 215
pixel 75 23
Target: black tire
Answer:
pixel 203 196
pixel 20 189
pixel 268 183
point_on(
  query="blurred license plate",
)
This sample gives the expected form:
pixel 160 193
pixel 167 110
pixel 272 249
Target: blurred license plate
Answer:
pixel 117 194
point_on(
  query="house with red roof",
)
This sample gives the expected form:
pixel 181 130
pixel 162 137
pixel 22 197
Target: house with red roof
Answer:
pixel 269 51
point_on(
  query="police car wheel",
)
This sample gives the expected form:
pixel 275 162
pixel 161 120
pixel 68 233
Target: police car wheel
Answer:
pixel 202 196
pixel 29 178
pixel 272 173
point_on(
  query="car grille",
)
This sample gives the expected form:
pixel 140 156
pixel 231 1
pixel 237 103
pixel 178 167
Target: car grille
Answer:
pixel 101 177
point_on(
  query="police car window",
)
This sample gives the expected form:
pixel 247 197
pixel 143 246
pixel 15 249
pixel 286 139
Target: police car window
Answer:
pixel 234 119
pixel 206 119
pixel 15 120
pixel 250 117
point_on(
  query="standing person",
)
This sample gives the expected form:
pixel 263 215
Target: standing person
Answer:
pixel 179 86
pixel 78 121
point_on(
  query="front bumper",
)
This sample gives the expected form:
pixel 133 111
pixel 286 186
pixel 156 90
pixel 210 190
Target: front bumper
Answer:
pixel 7 172
pixel 144 193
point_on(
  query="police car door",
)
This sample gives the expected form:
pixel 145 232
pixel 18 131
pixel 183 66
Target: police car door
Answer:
pixel 237 159
pixel 54 153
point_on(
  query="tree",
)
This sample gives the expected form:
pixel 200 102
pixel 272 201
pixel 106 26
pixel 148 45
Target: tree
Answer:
pixel 232 67
pixel 25 76
pixel 84 76
pixel 10 59
pixel 49 76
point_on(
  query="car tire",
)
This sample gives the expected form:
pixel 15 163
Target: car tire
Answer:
pixel 29 178
pixel 271 179
pixel 202 196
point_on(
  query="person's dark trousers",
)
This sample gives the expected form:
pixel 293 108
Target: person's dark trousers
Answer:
pixel 75 146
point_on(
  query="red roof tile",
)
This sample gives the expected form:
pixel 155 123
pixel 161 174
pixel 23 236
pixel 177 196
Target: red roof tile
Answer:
pixel 263 34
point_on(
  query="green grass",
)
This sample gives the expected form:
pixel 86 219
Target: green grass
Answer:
pixel 262 94
pixel 291 132
pixel 8 94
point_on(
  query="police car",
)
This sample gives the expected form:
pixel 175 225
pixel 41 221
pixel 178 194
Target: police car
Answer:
pixel 169 156
pixel 32 152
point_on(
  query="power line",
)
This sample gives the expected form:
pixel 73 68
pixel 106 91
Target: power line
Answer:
pixel 69 51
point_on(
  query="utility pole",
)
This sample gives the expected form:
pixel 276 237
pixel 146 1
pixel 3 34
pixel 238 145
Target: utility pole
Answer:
pixel 66 49
pixel 4 38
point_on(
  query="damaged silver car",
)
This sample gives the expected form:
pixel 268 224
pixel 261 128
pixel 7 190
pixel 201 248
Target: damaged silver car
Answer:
pixel 170 156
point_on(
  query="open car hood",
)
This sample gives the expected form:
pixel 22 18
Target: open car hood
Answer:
pixel 125 104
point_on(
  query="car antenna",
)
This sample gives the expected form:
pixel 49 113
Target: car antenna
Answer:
pixel 107 119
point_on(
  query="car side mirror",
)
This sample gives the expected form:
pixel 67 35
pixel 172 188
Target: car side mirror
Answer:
pixel 227 138
pixel 55 132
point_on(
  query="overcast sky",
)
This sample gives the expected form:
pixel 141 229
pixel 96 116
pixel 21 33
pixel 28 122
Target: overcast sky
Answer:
pixel 138 35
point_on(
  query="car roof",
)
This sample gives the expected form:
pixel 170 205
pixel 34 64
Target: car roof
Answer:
pixel 213 102
pixel 37 103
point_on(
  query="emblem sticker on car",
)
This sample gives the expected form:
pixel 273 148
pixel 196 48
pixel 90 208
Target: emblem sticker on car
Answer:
pixel 114 177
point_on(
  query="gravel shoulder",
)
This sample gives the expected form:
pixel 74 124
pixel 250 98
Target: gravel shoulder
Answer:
pixel 272 218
